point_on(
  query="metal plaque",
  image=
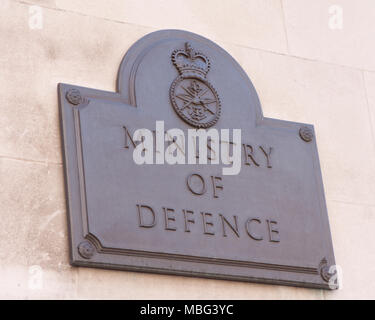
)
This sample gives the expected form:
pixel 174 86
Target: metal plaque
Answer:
pixel 265 223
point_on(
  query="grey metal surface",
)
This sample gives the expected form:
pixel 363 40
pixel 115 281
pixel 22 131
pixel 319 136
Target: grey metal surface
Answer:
pixel 268 224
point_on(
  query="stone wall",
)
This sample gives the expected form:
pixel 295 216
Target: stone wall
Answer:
pixel 305 65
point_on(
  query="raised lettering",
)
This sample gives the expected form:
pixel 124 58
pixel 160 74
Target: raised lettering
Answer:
pixel 273 231
pixel 249 154
pixel 128 136
pixel 141 219
pixel 207 223
pixel 267 155
pixel 195 190
pixel 169 218
pixel 249 230
pixel 234 229
pixel 187 220
pixel 215 185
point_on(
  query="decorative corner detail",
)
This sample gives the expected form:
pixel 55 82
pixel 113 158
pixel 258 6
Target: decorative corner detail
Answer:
pixel 86 249
pixel 306 133
pixel 193 98
pixel 324 270
pixel 74 97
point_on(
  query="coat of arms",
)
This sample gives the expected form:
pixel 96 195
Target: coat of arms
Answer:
pixel 193 98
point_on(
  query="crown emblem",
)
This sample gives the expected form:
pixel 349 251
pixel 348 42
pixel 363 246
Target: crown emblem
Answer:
pixel 190 62
pixel 193 98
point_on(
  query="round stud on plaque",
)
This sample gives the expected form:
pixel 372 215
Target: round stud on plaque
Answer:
pixel 306 133
pixel 325 271
pixel 86 249
pixel 326 275
pixel 74 97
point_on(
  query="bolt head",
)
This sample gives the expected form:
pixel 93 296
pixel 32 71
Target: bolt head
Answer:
pixel 86 249
pixel 306 133
pixel 74 96
pixel 325 273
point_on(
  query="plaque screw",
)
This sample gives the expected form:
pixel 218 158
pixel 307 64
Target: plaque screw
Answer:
pixel 86 249
pixel 326 275
pixel 74 96
pixel 306 134
pixel 324 270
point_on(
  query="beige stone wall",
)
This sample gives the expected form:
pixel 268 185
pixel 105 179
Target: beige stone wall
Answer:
pixel 302 69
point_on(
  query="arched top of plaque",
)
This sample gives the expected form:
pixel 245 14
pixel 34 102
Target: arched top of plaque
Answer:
pixel 192 75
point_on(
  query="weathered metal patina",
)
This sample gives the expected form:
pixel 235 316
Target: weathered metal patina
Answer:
pixel 267 224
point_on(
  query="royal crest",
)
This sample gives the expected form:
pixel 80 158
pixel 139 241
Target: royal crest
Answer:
pixel 193 98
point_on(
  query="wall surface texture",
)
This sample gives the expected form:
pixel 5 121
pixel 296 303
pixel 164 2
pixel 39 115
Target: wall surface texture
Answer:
pixel 306 64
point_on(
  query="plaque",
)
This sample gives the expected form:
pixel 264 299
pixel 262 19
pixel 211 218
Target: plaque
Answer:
pixel 144 193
